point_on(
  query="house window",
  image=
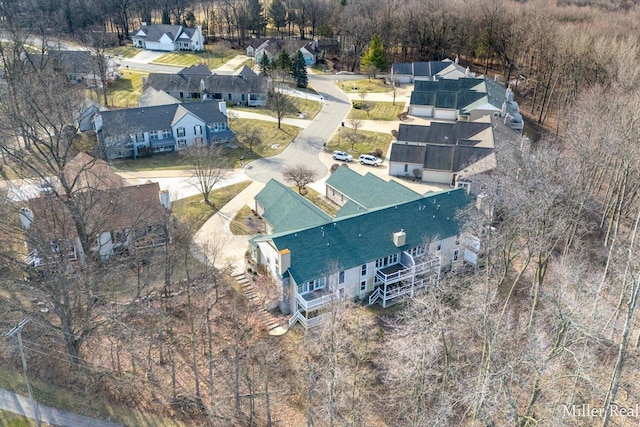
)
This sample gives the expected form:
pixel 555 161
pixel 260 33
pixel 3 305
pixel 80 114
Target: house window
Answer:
pixel 341 277
pixel 457 239
pixel 166 134
pixel 243 98
pixel 181 95
pixel 198 141
pixel 363 270
pixel 363 286
pixel 417 251
pixel 182 144
pixel 181 132
pixel 229 97
pixel 153 135
pixel 406 168
pixel 197 130
pixel 439 246
pixel 455 254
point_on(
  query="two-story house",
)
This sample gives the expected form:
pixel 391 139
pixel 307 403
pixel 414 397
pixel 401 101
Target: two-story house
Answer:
pixel 162 128
pixel 197 83
pixel 382 255
pixel 168 37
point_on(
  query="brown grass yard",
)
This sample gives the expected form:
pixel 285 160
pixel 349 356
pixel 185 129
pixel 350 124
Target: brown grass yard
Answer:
pixel 272 141
pixel 213 56
pixel 364 85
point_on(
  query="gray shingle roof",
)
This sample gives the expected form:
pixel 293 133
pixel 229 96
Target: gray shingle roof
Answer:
pixel 287 210
pixel 355 240
pixel 440 133
pixel 145 119
pixel 407 153
pixel 156 31
pixel 401 68
pixel 213 83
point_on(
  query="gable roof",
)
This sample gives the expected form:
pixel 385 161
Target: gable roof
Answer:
pixel 440 133
pixel 195 70
pixel 159 117
pixel 152 97
pixel 432 69
pixel 368 191
pixel 358 239
pixel 213 83
pixel 85 172
pixel 246 72
pixel 287 210
pixel 444 146
pixel 156 31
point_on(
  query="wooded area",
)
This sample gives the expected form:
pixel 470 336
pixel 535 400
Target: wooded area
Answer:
pixel 549 322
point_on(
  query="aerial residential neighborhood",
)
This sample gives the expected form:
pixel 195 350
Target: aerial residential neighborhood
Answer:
pixel 317 213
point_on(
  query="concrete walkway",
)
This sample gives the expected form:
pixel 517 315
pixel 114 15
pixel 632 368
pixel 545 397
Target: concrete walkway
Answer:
pixel 215 244
pixel 21 405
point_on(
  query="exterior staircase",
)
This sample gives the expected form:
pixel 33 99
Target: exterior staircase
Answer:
pixel 269 321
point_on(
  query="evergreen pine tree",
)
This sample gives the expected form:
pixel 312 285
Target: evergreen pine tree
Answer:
pixel 283 64
pixel 299 70
pixel 374 59
pixel 265 65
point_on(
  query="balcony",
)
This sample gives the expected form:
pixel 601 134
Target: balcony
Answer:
pixel 315 299
pixel 408 268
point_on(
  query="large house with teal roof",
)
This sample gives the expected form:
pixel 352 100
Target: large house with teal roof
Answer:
pixel 380 255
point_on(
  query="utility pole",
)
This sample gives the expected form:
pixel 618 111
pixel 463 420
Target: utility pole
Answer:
pixel 17 332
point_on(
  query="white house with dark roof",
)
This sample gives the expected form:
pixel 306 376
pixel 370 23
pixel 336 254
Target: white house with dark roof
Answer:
pixel 382 255
pixel 272 48
pixel 409 72
pixel 163 128
pixel 168 38
pixel 447 153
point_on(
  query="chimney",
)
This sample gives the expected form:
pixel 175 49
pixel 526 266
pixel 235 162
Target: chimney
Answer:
pixel 202 85
pixel 26 217
pixel 466 72
pixel 285 260
pixel 222 106
pixel 399 238
pixel 165 200
pixel 504 108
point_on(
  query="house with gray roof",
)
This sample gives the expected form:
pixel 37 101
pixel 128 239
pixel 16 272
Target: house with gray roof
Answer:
pixel 160 129
pixel 168 38
pixel 409 72
pixel 283 209
pixel 198 83
pixel 356 193
pixel 272 47
pixel 447 153
pixel 382 255
pixel 463 99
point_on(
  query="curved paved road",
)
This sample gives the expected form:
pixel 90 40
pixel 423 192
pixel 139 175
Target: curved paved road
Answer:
pixel 308 144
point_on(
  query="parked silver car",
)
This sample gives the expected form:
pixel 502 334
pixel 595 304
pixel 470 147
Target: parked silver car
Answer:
pixel 368 159
pixel 341 155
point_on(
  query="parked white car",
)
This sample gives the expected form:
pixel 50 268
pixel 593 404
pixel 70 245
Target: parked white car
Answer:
pixel 341 155
pixel 368 159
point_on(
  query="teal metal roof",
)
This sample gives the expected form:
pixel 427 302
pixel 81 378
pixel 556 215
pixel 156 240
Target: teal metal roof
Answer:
pixel 287 210
pixel 361 238
pixel 350 208
pixel 368 191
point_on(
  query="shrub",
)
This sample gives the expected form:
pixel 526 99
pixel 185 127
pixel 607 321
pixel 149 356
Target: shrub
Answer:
pixel 378 153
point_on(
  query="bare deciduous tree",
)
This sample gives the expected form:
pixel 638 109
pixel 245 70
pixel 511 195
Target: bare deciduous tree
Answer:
pixel 210 168
pixel 300 175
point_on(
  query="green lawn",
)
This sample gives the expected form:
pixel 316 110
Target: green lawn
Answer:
pixel 298 105
pixel 364 85
pixel 124 51
pixel 378 111
pixel 367 143
pixel 272 140
pixel 194 212
pixel 213 55
pixel 125 91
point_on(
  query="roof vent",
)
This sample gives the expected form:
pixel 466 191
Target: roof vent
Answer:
pixel 399 238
